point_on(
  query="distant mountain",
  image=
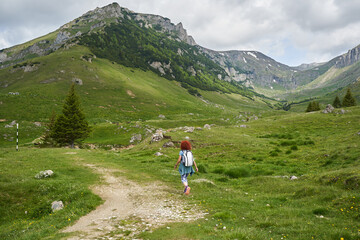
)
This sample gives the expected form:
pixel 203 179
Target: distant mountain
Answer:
pixel 152 42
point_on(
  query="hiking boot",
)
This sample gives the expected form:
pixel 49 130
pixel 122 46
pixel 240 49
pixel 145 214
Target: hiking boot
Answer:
pixel 185 189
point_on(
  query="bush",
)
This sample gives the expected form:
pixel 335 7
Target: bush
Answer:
pixel 237 172
pixel 294 147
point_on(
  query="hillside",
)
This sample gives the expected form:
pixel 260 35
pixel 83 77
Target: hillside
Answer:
pixel 152 42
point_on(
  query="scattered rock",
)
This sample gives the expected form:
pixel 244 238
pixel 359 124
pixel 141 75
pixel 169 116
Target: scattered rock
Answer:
pixel 11 124
pixel 328 109
pixel 207 126
pixel 342 111
pixel 135 137
pixel 243 126
pixel 293 177
pixel 44 174
pixel 158 154
pixel 161 116
pixel 77 81
pixel 57 205
pixel 14 93
pixel 168 144
pixel 157 136
pixel 189 129
pixel 38 124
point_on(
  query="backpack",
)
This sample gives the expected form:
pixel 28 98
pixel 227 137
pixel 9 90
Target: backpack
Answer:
pixel 187 158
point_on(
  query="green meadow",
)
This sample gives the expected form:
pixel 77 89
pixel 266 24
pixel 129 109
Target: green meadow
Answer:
pixel 245 160
pixel 247 192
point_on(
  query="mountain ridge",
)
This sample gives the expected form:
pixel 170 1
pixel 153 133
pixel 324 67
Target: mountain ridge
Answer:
pixel 251 69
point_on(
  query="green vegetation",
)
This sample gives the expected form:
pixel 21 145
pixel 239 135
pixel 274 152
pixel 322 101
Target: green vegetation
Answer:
pixel 70 126
pixel 313 106
pixel 134 46
pixel 337 103
pixel 251 195
pixel 348 100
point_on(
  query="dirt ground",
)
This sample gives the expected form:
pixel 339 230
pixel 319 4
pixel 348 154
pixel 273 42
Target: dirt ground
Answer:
pixel 129 209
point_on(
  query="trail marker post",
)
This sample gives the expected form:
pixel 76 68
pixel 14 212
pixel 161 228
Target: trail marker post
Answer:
pixel 17 137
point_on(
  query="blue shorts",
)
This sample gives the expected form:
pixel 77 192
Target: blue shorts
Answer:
pixel 184 177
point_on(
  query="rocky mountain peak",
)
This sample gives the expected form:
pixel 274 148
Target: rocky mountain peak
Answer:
pixel 349 58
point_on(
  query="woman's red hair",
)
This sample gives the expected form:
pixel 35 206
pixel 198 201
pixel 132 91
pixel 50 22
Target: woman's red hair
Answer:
pixel 185 145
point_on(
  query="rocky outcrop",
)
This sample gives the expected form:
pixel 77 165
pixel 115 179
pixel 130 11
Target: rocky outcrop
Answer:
pixel 349 58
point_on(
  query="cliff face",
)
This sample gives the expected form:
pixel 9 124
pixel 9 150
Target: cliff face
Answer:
pixel 349 58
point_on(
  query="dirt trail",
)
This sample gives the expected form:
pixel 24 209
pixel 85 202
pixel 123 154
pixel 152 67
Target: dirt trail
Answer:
pixel 130 209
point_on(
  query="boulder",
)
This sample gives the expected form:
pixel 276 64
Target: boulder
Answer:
pixel 44 174
pixel 157 136
pixel 135 137
pixel 328 109
pixel 77 81
pixel 293 177
pixel 207 126
pixel 57 205
pixel 168 144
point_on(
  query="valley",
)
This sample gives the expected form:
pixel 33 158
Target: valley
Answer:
pixel 265 171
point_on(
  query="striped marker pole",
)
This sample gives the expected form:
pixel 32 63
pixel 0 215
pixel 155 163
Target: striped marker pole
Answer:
pixel 17 137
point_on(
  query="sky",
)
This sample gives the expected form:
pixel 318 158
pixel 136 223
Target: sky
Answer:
pixel 290 31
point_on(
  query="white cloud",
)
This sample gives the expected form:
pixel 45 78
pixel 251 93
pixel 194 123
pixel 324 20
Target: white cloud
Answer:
pixel 290 31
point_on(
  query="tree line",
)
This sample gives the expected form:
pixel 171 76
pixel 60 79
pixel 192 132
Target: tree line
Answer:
pixel 348 101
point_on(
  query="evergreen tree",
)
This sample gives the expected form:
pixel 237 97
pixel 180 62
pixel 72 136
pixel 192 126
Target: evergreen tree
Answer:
pixel 337 103
pixel 348 100
pixel 70 126
pixel 313 106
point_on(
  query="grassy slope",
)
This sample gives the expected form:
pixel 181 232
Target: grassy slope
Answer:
pixel 110 93
pixel 244 192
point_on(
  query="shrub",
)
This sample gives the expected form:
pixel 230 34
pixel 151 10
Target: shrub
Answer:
pixel 237 172
pixel 294 147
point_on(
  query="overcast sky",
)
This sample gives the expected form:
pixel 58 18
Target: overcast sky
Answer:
pixel 290 31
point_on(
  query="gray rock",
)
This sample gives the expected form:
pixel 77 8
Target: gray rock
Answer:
pixel 38 124
pixel 328 109
pixel 77 81
pixel 57 205
pixel 207 126
pixel 11 124
pixel 293 177
pixel 168 144
pixel 158 154
pixel 189 129
pixel 243 126
pixel 135 137
pixel 157 136
pixel 44 174
pixel 342 111
pixel 161 116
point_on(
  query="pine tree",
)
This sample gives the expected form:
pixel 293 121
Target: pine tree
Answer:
pixel 313 106
pixel 348 100
pixel 70 126
pixel 337 103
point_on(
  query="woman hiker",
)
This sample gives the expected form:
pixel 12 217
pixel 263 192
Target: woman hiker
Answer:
pixel 183 170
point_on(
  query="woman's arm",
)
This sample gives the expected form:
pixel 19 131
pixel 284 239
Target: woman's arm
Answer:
pixel 196 166
pixel 177 163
